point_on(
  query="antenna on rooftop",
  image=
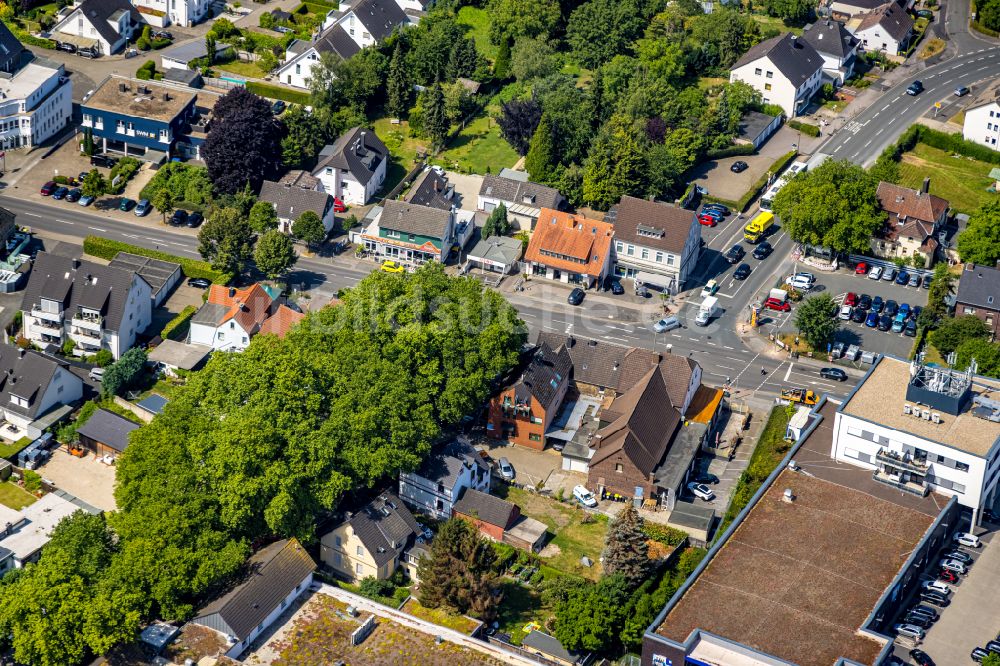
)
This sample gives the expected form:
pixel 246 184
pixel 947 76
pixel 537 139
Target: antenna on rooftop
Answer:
pixel 973 366
pixel 952 356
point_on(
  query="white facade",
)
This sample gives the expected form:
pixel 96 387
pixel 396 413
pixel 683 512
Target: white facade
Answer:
pixel 775 87
pixel 229 336
pixel 48 323
pixel 239 648
pixel 79 24
pixel 35 104
pixel 180 12
pixel 297 69
pixel 982 125
pixel 353 26
pixel 436 499
pixel 63 389
pixel 877 38
pixel 285 223
pixel 344 186
pixel 633 260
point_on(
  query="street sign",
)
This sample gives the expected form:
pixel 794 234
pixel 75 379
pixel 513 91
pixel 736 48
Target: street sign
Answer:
pixel 937 105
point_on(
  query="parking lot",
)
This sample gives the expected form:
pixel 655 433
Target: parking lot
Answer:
pixel 838 284
pixel 87 478
pixel 973 617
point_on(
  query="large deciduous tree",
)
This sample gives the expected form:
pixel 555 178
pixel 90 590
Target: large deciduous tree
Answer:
pixel 832 206
pixel 953 332
pixel 599 30
pixel 308 228
pixel 510 19
pixel 816 319
pixel 274 254
pixel 263 217
pixel 980 242
pixel 615 164
pixel 518 120
pixel 244 143
pixel 226 240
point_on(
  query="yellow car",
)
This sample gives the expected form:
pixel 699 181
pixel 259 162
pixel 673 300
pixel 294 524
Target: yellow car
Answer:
pixel 390 266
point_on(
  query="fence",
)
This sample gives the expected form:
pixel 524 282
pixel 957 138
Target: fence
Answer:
pixel 359 635
pixel 888 263
pixel 225 84
pixel 517 649
pixel 405 182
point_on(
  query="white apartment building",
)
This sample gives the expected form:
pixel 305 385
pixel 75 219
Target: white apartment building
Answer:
pixel 369 21
pixel 94 306
pixel 434 488
pixel 36 95
pixel 786 70
pixel 102 25
pixel 32 386
pixel 353 168
pixel 887 29
pixel 922 429
pixel 656 244
pixel 982 119
pixel 179 12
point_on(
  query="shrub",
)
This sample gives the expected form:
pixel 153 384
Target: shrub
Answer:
pixel 376 589
pixel 275 92
pixel 730 151
pixel 805 128
pixel 103 358
pixel 666 535
pixel 146 71
pixel 32 481
pixel 189 185
pixel 125 168
pixel 106 248
pixel 123 373
pixel 178 323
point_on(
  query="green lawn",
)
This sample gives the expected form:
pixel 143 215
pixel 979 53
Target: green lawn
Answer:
pixel 402 146
pixel 440 617
pixel 520 606
pixel 577 532
pixel 707 82
pixel 776 23
pixel 478 21
pixel 10 451
pixel 477 147
pixel 960 180
pixel 14 497
pixel 240 68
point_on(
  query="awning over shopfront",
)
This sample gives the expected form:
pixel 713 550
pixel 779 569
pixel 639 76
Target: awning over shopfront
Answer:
pixel 653 279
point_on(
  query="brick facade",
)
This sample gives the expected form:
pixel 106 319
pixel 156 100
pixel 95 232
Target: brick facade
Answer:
pixel 489 530
pixel 621 481
pixel 517 425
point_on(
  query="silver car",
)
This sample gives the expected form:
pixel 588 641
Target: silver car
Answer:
pixel 666 324
pixel 506 469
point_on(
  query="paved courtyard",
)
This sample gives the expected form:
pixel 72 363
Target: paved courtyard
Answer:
pixel 87 478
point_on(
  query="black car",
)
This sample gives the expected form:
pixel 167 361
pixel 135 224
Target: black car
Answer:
pixel 706 477
pixel 742 272
pixel 102 161
pixel 921 658
pixel 884 323
pixel 915 88
pixel 762 251
pixel 575 297
pixel 278 107
pixel 833 373
pixel 865 302
pixel 74 195
pixel 858 315
pixel 179 218
pixel 891 308
pixel 910 329
pixel 65 46
pixel 194 220
pixel 162 34
pixel 921 621
pixel 934 598
pixel 716 206
pixel 739 166
pixel 736 253
pixel 978 654
pixel 616 288
pixel 60 192
pixel 925 610
pixel 200 283
pixel 877 304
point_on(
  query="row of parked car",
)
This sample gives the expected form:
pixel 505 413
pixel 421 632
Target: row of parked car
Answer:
pixel 890 274
pixel 882 314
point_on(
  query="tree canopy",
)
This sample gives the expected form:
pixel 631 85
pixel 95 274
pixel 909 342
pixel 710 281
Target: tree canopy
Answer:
pixel 274 254
pixel 816 319
pixel 226 240
pixel 980 242
pixel 244 142
pixel 832 206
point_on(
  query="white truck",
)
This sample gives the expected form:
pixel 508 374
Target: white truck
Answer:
pixel 709 308
pixel 779 295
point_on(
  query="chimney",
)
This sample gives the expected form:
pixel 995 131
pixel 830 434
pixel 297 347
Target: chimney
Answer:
pixel 927 185
pixel 570 341
pixel 232 292
pixel 166 97
pixel 122 87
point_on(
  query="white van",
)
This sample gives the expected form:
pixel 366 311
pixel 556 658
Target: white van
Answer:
pixel 96 374
pixel 584 496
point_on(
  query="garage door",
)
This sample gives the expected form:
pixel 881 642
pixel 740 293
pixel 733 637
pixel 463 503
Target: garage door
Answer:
pixel 573 465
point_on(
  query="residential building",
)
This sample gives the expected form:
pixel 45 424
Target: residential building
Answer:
pixel 35 391
pixel 26 532
pixel 820 520
pixel 301 56
pixel 982 118
pixel 888 29
pixel 440 480
pixel 570 248
pixel 914 219
pixel 36 95
pixel 146 119
pixel 431 188
pixel 923 429
pixel 276 576
pixel 837 46
pixel 231 316
pixel 497 254
pixel 162 276
pixel 549 648
pixel 786 70
pixel 94 306
pixel 500 520
pixel 352 169
pixel 523 411
pixel 290 201
pixel 368 21
pixel 281 322
pixel 181 55
pixel 106 433
pixel 845 10
pixel 523 199
pixel 656 244
pixel 979 295
pixel 170 356
pixel 371 542
pixel 756 128
pixel 101 25
pixel 162 13
pixel 410 234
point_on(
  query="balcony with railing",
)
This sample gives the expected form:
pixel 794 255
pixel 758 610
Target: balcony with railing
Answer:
pixel 88 321
pixel 46 326
pixel 902 462
pixel 85 339
pixel 918 489
pixel 48 316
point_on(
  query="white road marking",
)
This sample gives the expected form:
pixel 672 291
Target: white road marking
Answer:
pixel 66 222
pixel 725 347
pixel 789 373
pixel 33 214
pixel 885 107
pixel 104 231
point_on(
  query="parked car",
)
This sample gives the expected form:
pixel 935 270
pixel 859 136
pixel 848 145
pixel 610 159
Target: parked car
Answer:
pixel 584 496
pixel 666 324
pixel 858 315
pixel 200 283
pixel 978 654
pixel 918 620
pixel 506 469
pixel 339 206
pixel 891 308
pixel 845 312
pixel 910 330
pixel 775 304
pixel 960 91
pixel 194 220
pixel 735 253
pixel 953 565
pixel 889 274
pixel 126 204
pixel 959 555
pixel 162 34
pixel 105 161
pixel 898 323
pixel 86 200
pixel 707 220
pixel 96 374
pixel 865 302
pixel 851 299
pixel 993 646
pixel 706 477
pixel 926 610
pixel 861 268
pixel 717 206
pixel 739 166
pixel 66 46
pixel 947 576
pixel 935 599
pixel 575 297
pixel 909 631
pixel 701 491
pixel 926 284
pixel 142 208
pixel 800 282
pixel 921 658
pixel 884 323
pixel 904 309
pixel 390 266
pixel 179 218
pixel 903 278
pixel 914 280
pixel 872 320
pixel 875 273
pixel 762 251
pixel 88 52
pixel 878 304
pixel 74 195
pixel 967 540
pixel 742 272
pixel 278 107
pixel 833 373
pixel 915 88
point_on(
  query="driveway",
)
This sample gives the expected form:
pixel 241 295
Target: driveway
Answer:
pixel 87 478
pixel 531 467
pixel 466 189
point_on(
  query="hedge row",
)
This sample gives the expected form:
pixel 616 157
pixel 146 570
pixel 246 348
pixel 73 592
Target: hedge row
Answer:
pixel 28 39
pixel 755 189
pixel 179 323
pixel 666 535
pixel 805 128
pixel 276 92
pixel 730 151
pixel 105 248
pixel 952 143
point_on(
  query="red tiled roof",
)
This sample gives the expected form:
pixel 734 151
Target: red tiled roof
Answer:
pixel 570 242
pixel 904 204
pixel 281 321
pixel 249 306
